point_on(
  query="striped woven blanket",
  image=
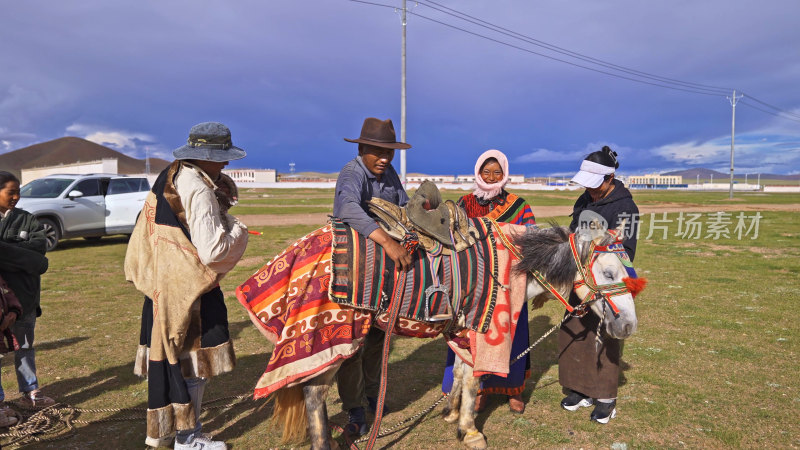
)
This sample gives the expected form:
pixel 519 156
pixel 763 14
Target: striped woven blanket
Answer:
pixel 290 298
pixel 364 277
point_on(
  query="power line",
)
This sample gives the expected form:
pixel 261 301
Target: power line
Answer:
pixel 557 49
pixel 674 84
pixel 685 88
pixel 750 97
pixel 694 91
pixel 373 4
pixel 768 112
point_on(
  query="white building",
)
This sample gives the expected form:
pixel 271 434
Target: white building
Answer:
pixel 655 179
pixel 419 178
pixel 513 179
pixel 252 175
pixel 465 178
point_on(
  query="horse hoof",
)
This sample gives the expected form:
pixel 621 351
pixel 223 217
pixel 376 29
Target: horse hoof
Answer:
pixel 473 440
pixel 450 415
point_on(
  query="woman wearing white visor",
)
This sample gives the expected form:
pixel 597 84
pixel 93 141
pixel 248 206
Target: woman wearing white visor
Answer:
pixel 590 373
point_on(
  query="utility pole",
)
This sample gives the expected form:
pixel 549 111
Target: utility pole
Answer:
pixel 733 128
pixel 403 97
pixel 147 160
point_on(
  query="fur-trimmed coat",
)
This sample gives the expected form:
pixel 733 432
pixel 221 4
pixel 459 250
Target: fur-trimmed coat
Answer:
pixel 180 249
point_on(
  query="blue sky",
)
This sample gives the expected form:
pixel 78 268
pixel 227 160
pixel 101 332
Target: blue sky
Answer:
pixel 292 78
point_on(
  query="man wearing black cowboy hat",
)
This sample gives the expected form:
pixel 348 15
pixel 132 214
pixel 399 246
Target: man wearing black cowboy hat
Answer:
pixel 183 244
pixel 369 175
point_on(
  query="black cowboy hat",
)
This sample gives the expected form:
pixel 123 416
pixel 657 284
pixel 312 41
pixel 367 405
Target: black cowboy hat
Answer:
pixel 379 133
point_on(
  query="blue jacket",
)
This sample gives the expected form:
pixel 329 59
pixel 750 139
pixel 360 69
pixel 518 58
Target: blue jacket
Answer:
pixel 355 186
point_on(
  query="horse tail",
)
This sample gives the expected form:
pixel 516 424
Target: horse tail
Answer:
pixel 289 413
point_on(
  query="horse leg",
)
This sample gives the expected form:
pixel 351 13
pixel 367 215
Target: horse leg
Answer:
pixel 467 432
pixel 454 399
pixel 314 393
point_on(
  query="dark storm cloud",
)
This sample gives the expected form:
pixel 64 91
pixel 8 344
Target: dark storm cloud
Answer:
pixel 292 79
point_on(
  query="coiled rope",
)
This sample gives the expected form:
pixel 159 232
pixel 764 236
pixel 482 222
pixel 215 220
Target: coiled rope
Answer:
pixel 58 421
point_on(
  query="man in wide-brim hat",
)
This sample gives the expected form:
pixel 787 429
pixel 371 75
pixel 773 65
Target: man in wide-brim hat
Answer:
pixel 183 244
pixel 369 175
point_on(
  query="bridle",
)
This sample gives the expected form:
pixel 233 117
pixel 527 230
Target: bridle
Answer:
pixel 585 284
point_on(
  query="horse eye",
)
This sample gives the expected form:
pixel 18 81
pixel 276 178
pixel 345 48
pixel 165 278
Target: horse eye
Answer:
pixel 608 273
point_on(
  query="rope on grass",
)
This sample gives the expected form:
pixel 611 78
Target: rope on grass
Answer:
pixel 387 431
pixel 392 429
pixel 58 421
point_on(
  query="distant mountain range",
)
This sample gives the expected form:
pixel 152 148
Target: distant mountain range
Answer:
pixel 690 174
pixel 69 150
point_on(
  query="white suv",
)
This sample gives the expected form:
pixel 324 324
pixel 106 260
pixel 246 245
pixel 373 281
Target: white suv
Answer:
pixel 88 206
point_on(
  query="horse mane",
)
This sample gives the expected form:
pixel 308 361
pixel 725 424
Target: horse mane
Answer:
pixel 547 251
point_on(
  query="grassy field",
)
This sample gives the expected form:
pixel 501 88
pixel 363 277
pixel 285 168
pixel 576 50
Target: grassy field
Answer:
pixel 714 363
pixel 283 201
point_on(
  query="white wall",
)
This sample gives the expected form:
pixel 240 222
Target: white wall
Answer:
pixel 252 175
pixel 781 188
pixel 724 187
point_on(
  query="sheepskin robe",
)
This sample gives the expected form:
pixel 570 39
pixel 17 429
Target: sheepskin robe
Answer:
pixel 184 331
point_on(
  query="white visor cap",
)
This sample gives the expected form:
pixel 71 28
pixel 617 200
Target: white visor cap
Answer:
pixel 591 174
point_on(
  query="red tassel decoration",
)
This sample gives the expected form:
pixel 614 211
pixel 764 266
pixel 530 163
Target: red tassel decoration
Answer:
pixel 635 285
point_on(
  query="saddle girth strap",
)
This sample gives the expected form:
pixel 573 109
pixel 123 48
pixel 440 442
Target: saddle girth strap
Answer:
pixel 394 312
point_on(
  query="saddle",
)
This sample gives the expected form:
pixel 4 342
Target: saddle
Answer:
pixel 434 222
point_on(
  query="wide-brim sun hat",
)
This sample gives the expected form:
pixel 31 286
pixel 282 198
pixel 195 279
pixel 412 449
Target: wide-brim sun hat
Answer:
pixel 379 133
pixel 209 141
pixel 591 174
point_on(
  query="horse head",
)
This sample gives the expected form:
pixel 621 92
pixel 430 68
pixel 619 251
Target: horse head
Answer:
pixel 604 279
pixel 591 261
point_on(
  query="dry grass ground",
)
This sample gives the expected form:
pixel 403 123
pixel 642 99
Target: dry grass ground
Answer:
pixel 713 365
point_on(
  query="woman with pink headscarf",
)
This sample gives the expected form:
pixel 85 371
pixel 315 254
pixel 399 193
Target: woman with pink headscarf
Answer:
pixel 490 199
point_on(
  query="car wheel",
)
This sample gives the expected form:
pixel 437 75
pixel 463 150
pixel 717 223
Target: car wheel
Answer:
pixel 52 232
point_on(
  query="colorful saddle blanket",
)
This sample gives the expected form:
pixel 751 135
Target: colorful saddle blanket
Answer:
pixel 290 297
pixel 364 277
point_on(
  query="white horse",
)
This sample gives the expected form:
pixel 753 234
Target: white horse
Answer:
pixel 557 262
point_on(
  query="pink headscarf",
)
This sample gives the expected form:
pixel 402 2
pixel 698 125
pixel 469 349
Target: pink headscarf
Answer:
pixel 482 189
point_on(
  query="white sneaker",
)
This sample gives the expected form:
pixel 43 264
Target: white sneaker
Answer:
pixel 201 442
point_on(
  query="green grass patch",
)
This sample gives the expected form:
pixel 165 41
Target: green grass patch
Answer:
pixel 713 364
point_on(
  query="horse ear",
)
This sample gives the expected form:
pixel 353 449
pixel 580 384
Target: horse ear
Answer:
pixel 591 226
pixel 618 234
